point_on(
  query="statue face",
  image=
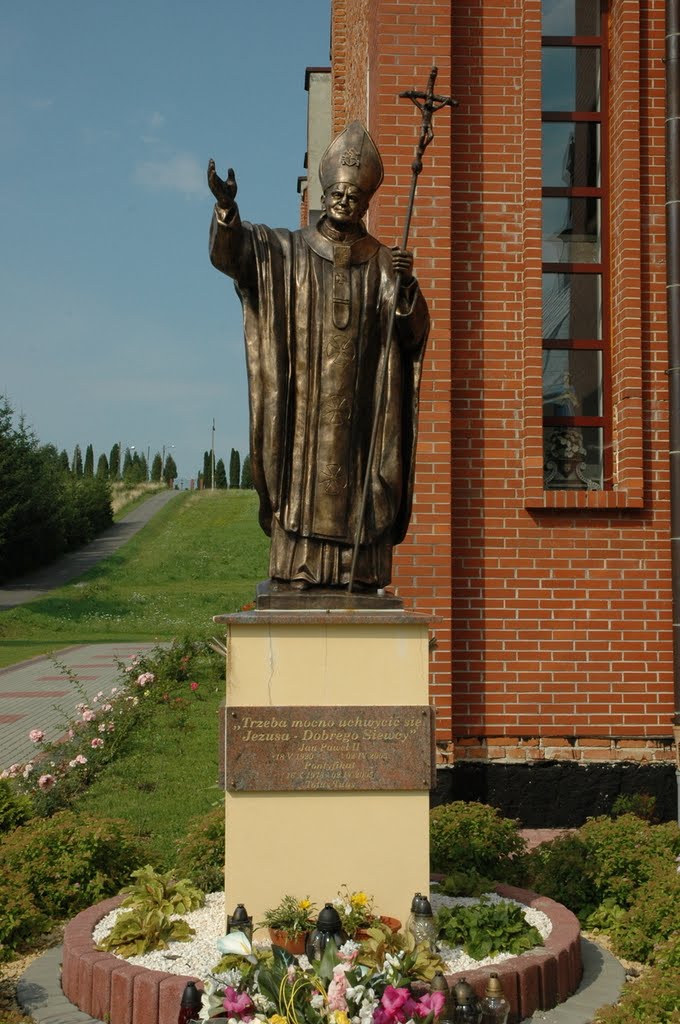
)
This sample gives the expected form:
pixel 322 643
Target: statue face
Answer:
pixel 345 204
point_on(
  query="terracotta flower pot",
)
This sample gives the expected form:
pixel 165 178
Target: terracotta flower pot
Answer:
pixel 295 945
pixel 392 923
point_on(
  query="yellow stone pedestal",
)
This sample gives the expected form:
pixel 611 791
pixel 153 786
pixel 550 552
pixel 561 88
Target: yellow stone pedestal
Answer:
pixel 313 842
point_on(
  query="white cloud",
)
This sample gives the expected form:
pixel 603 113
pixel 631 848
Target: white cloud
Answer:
pixel 181 173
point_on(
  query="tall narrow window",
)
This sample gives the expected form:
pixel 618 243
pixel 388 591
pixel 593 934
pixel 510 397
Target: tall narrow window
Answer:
pixel 576 414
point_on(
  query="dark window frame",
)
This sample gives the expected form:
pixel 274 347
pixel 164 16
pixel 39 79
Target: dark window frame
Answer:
pixel 602 268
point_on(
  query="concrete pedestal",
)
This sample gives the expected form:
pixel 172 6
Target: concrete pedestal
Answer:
pixel 312 842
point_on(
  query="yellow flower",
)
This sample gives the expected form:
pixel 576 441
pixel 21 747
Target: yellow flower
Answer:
pixel 339 1017
pixel 304 904
pixel 359 899
pixel 276 1018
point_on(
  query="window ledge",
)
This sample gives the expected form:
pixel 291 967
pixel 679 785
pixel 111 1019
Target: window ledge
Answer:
pixel 632 498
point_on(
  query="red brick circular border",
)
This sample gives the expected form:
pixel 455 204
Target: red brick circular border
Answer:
pixel 111 990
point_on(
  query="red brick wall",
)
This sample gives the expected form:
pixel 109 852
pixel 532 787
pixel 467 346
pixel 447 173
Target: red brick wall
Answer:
pixel 552 609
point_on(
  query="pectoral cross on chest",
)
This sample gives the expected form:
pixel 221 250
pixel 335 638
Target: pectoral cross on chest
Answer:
pixel 342 297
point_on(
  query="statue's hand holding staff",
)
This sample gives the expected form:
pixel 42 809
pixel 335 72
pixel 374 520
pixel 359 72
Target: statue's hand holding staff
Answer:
pixel 223 191
pixel 402 261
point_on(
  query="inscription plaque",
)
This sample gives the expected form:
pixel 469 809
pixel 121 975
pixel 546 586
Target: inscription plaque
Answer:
pixel 276 749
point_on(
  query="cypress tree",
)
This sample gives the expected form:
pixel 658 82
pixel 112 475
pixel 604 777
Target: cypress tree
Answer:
pixel 207 470
pixel 220 475
pixel 246 475
pixel 234 468
pixel 88 468
pixel 77 462
pixel 114 463
pixel 169 470
pixel 157 468
pixel 63 461
pixel 127 464
pixel 102 467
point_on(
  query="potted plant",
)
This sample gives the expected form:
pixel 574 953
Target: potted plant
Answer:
pixel 357 914
pixel 289 923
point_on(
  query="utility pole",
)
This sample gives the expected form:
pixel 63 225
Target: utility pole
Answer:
pixel 212 458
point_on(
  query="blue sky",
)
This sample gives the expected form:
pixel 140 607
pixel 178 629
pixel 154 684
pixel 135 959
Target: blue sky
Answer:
pixel 114 326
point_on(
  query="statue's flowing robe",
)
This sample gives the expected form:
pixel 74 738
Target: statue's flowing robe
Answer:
pixel 315 316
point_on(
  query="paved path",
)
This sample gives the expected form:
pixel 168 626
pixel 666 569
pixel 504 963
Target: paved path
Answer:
pixel 37 694
pixel 41 581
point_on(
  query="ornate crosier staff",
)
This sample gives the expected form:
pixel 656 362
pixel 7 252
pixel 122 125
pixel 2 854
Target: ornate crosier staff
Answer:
pixel 428 104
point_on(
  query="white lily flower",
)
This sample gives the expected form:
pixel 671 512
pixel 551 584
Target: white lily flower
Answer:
pixel 211 1003
pixel 237 943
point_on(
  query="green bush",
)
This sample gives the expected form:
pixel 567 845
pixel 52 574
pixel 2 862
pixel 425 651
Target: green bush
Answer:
pixel 70 862
pixel 559 870
pixel 200 855
pixel 475 837
pixel 641 804
pixel 652 917
pixel 15 808
pixel 622 853
pixel 20 919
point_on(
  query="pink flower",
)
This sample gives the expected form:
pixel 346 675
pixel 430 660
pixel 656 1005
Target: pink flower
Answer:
pixel 96 742
pixel 27 770
pixel 70 734
pixel 431 1002
pixel 193 686
pixel 337 989
pixel 101 727
pixel 107 707
pixel 396 1005
pixel 12 771
pixel 146 677
pixel 110 727
pixel 46 782
pixel 36 735
pixel 89 716
pixel 241 1004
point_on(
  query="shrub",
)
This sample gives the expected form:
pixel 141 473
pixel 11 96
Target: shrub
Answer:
pixel 486 929
pixel 559 870
pixel 652 917
pixel 200 855
pixel 641 804
pixel 474 837
pixel 70 862
pixel 20 919
pixel 15 809
pixel 622 854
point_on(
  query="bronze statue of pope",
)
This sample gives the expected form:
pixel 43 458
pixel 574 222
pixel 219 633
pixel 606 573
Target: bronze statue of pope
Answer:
pixel 316 305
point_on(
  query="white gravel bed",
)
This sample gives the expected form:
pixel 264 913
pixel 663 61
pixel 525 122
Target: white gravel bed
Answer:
pixel 199 956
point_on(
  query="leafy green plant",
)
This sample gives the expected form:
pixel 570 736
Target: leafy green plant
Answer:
pixel 606 917
pixel 466 883
pixel 643 805
pixel 474 837
pixel 69 861
pixel 486 929
pixel 153 890
pixel 15 808
pixel 420 962
pixel 140 931
pixel 20 920
pixel 200 854
pixel 559 870
pixel 291 915
pixel 652 917
pixel 622 853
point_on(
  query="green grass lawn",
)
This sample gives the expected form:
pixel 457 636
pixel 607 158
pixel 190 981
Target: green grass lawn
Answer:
pixel 200 556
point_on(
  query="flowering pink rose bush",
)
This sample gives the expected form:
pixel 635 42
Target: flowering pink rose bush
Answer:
pixel 101 726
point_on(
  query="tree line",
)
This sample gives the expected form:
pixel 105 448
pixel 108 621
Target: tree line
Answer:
pixel 134 468
pixel 240 475
pixel 47 507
